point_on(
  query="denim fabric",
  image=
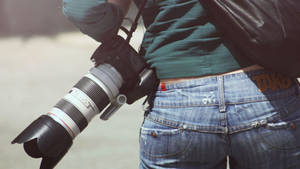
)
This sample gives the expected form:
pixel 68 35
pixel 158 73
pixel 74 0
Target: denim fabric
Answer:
pixel 253 117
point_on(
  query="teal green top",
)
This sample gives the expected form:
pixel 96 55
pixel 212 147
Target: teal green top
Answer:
pixel 181 41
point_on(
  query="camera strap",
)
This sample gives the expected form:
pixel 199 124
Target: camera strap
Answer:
pixel 135 22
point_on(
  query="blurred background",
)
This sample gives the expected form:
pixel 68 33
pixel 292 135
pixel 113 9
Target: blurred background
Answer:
pixel 41 57
pixel 32 17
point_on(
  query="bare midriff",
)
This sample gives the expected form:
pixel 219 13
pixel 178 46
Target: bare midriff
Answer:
pixel 245 69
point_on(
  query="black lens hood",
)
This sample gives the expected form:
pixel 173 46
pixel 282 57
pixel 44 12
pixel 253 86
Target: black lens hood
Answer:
pixel 45 138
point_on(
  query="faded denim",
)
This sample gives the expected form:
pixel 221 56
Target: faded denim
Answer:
pixel 254 118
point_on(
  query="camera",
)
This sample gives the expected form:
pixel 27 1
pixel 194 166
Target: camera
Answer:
pixel 120 76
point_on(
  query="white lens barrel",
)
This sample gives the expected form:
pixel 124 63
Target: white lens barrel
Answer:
pixel 63 119
pixel 87 98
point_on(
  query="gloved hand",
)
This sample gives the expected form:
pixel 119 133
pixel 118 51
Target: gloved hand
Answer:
pixel 139 79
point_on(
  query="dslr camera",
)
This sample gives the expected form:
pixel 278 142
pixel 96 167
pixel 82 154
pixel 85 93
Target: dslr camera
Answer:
pixel 120 75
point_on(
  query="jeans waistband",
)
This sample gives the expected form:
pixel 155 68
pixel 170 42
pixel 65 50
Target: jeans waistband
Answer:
pixel 248 99
pixel 263 79
pixel 236 88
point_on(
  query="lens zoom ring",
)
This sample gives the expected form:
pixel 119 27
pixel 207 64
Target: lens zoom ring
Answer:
pixel 94 91
pixel 73 113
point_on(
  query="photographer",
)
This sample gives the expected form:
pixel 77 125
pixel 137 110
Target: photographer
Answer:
pixel 212 102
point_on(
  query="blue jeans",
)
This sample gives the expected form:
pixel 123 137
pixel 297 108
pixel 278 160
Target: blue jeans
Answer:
pixel 253 117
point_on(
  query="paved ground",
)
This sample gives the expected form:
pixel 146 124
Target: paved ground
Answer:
pixel 35 73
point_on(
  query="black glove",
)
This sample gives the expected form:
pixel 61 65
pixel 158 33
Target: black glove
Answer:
pixel 138 78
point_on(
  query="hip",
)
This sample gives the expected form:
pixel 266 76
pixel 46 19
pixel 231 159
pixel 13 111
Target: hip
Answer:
pixel 229 102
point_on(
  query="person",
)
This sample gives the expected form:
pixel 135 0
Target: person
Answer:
pixel 212 103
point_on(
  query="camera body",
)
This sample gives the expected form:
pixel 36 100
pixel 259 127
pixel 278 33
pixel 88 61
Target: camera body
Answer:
pixel 120 76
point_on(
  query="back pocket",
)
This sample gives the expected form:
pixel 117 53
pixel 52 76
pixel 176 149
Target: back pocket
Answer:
pixel 282 135
pixel 158 141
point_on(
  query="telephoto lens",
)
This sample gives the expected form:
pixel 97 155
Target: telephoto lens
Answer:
pixel 51 135
pixel 121 75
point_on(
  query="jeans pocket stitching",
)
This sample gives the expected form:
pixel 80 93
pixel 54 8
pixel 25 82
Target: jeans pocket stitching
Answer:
pixel 272 128
pixel 160 132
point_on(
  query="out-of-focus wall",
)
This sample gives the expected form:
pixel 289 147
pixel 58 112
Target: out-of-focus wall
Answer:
pixel 34 17
pixel 30 17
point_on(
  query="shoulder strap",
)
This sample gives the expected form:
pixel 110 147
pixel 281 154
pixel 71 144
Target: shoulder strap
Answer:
pixel 135 23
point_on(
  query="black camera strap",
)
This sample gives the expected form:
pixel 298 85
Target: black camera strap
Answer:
pixel 135 22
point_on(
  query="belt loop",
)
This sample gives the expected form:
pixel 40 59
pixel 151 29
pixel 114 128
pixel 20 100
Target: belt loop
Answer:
pixel 222 106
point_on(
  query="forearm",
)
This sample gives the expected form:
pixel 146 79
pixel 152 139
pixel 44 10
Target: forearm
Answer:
pixel 100 19
pixel 123 4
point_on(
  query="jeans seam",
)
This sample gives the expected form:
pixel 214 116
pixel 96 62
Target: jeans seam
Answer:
pixel 231 130
pixel 222 105
pixel 159 105
pixel 185 106
pixel 184 126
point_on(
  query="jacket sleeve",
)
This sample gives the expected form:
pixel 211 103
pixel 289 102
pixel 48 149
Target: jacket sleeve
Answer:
pixel 96 18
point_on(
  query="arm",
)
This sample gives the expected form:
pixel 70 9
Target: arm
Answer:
pixel 123 4
pixel 99 19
